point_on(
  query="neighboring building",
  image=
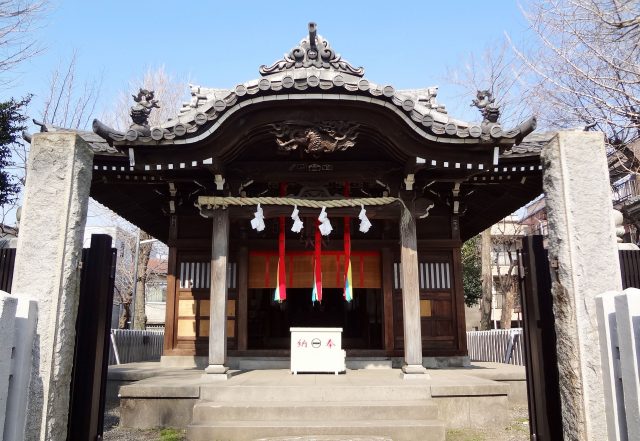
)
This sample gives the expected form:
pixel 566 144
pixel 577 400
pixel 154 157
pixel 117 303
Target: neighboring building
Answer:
pixel 506 237
pixel 156 287
pixel 313 132
pixel 8 236
pixel 533 220
pixel 156 292
pixel 118 241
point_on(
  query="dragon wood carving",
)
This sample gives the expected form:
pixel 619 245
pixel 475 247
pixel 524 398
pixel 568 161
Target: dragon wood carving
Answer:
pixel 315 138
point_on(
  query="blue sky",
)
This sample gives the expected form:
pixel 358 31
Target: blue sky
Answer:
pixel 407 44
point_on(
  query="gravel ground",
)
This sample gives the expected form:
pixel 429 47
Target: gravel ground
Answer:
pixel 518 430
pixel 113 432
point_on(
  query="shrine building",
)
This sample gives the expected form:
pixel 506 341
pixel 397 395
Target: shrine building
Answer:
pixel 314 197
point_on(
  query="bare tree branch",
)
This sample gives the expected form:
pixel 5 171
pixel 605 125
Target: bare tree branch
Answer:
pixel 586 67
pixel 18 18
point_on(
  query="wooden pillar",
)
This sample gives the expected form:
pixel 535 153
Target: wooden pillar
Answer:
pixel 243 275
pixel 410 297
pixel 458 301
pixel 458 288
pixel 387 299
pixel 171 315
pixel 218 303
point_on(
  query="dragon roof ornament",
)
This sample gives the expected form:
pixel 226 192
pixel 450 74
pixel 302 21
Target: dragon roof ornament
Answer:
pixel 313 51
pixel 140 111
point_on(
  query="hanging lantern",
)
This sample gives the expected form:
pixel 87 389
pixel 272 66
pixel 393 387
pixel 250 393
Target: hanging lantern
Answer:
pixel 257 223
pixel 325 225
pixel 365 225
pixel 297 223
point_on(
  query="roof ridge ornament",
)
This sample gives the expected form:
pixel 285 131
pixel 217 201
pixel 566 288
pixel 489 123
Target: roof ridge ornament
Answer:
pixel 140 111
pixel 313 51
pixel 485 102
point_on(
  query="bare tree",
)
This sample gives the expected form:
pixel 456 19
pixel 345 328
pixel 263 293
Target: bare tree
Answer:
pixel 126 276
pixel 506 237
pixel 69 103
pixel 586 65
pixel 498 70
pixel 169 93
pixel 503 74
pixel 487 280
pixel 18 18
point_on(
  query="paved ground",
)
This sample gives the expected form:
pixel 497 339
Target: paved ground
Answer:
pixel 112 431
pixel 518 430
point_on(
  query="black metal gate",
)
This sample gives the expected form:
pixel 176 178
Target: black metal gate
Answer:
pixel 7 260
pixel 93 325
pixel 545 420
pixel 630 268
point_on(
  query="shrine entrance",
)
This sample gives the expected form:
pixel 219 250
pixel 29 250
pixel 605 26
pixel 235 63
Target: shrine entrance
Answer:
pixel 280 181
pixel 361 318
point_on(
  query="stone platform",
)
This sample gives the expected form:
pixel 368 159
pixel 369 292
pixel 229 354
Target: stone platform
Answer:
pixel 273 403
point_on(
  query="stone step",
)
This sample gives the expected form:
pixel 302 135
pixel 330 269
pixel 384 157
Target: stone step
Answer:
pixel 315 411
pixel 309 392
pixel 250 363
pixel 397 430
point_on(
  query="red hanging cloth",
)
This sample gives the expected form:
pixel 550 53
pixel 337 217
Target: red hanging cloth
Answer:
pixel 281 283
pixel 348 288
pixel 317 267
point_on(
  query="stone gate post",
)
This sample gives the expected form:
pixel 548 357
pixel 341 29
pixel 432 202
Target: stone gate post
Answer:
pixel 584 263
pixel 47 269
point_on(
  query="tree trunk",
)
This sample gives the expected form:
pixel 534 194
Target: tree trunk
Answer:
pixel 140 319
pixel 508 301
pixel 125 316
pixel 487 280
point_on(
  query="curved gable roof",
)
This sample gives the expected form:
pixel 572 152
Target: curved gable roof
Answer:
pixel 314 71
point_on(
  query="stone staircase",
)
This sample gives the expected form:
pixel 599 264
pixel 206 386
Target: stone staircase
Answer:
pixel 401 412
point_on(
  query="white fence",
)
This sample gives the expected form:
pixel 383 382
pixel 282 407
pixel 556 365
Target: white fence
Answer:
pixel 618 315
pixel 131 345
pixel 17 329
pixel 497 345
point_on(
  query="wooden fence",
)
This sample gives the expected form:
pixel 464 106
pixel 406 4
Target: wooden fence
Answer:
pixel 498 345
pixel 132 345
pixel 618 315
pixel 18 319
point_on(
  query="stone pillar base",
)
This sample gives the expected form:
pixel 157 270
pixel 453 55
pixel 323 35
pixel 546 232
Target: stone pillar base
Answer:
pixel 216 372
pixel 414 372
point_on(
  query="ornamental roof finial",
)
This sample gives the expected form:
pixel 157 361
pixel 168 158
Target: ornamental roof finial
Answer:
pixel 313 51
